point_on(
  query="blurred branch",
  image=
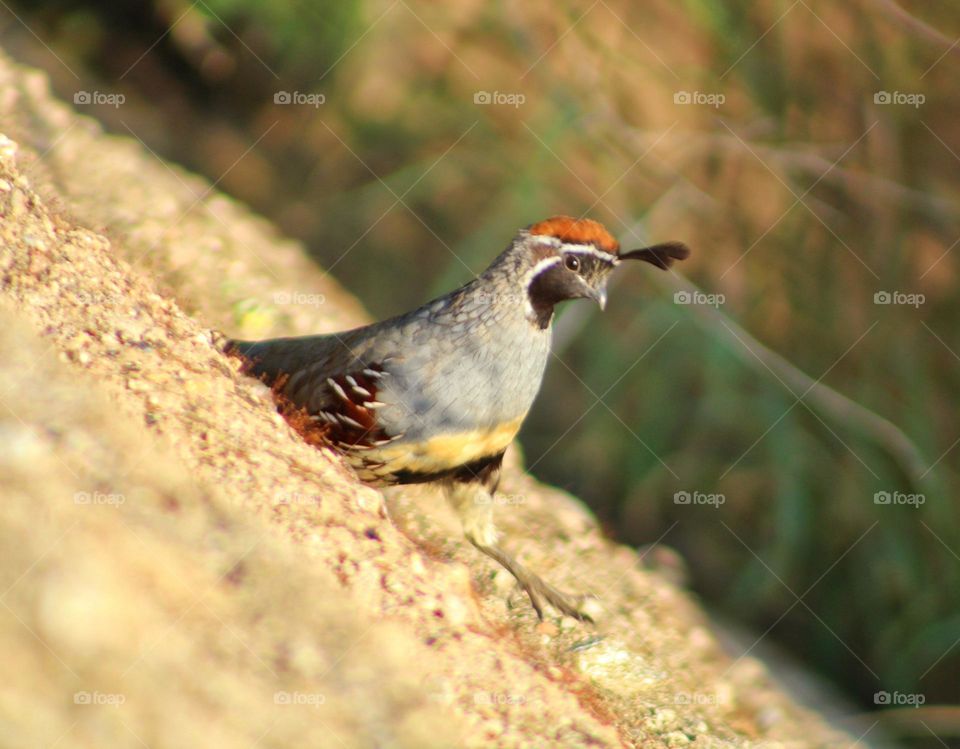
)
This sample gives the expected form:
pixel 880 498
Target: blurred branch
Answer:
pixel 190 33
pixel 832 403
pixel 851 180
pixel 916 26
pixel 837 406
pixel 939 721
pixel 698 146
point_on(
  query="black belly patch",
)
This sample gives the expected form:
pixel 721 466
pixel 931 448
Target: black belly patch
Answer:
pixel 484 471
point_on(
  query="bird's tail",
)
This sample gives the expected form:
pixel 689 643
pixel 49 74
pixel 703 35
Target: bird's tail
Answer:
pixel 270 359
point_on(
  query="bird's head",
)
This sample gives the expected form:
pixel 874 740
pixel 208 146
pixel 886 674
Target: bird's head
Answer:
pixel 566 258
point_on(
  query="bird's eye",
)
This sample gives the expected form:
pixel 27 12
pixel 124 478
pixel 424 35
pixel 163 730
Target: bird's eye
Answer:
pixel 572 262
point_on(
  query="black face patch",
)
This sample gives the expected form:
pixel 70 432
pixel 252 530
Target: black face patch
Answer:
pixel 551 286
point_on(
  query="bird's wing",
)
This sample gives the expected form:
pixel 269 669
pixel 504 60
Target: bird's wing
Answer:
pixel 332 379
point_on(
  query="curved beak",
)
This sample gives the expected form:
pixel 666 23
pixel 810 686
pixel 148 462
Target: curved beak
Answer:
pixel 599 296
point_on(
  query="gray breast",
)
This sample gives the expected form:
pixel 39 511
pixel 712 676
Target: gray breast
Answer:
pixel 463 370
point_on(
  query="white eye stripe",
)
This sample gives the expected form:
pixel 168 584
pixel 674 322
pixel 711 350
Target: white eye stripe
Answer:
pixel 537 269
pixel 586 249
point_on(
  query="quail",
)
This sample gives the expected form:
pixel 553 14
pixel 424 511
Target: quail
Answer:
pixel 438 394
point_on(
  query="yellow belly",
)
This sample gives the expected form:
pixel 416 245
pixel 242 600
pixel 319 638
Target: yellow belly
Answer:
pixel 435 455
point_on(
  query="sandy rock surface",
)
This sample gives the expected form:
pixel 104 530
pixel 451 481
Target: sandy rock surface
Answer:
pixel 180 569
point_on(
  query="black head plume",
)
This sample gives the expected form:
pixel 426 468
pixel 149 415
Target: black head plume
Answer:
pixel 660 255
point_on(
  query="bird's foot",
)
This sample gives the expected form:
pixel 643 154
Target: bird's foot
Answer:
pixel 541 591
pixel 538 590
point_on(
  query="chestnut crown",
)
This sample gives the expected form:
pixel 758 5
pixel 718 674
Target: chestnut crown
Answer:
pixel 572 259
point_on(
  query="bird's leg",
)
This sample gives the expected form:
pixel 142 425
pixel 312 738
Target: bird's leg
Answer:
pixel 474 504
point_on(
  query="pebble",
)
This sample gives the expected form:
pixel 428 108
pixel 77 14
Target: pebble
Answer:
pixel 676 738
pixel 32 240
pixel 128 331
pixel 155 337
pixel 611 665
pixel 8 149
pixel 416 565
pixel 21 446
pixel 457 611
pixel 548 630
pixel 196 386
